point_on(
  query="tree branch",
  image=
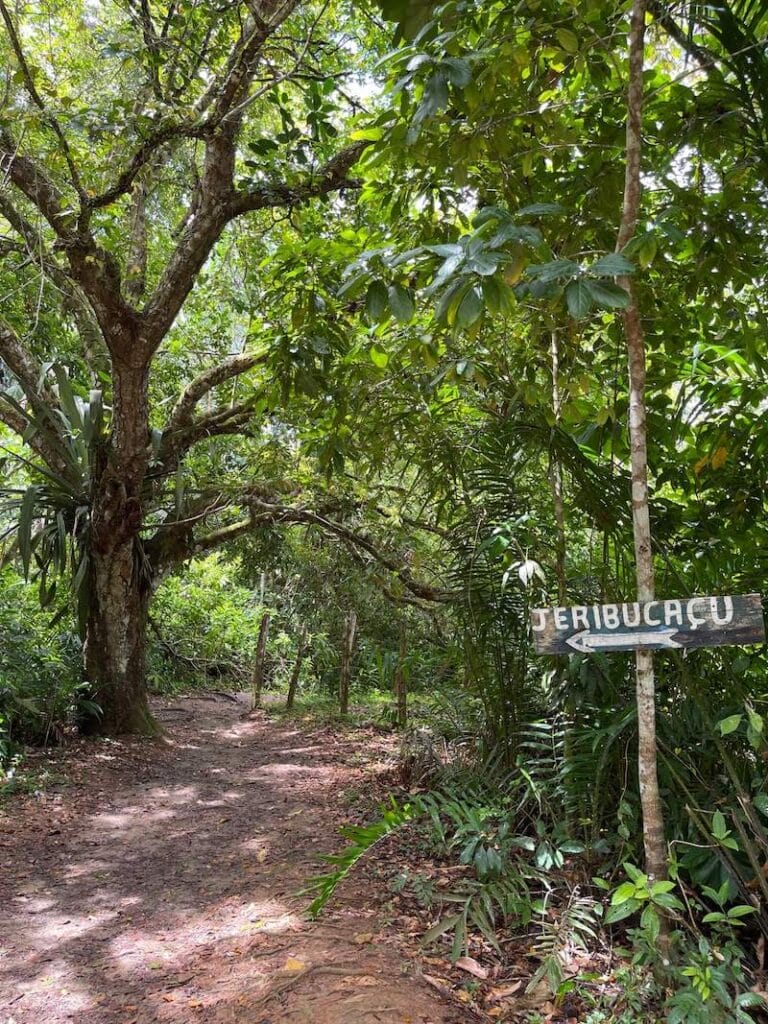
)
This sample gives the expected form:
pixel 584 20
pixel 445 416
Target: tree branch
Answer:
pixel 31 88
pixel 234 366
pixel 263 513
pixel 141 158
pixel 332 177
pixel 219 204
pixel 34 183
pixel 27 371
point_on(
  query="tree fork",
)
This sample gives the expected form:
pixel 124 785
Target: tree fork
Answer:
pixel 653 817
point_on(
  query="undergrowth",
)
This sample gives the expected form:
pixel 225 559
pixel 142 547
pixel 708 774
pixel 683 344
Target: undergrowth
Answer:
pixel 497 870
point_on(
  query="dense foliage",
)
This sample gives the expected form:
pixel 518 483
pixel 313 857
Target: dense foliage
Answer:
pixel 387 376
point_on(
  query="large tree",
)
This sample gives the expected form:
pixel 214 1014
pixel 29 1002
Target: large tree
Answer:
pixel 134 139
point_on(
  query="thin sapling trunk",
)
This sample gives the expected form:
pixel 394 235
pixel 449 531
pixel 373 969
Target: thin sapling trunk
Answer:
pixel 653 817
pixel 257 681
pixel 347 651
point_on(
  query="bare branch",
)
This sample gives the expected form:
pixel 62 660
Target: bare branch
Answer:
pixel 250 100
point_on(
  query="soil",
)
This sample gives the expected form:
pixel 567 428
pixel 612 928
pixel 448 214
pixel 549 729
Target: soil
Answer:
pixel 157 881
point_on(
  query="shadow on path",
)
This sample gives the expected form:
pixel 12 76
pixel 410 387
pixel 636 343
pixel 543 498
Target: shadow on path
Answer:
pixel 161 886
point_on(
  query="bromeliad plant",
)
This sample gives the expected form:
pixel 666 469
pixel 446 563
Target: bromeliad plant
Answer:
pixel 50 509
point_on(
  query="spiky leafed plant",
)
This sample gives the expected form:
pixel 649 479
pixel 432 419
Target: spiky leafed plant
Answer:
pixel 47 514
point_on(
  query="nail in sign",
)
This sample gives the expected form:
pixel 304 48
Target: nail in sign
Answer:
pixel 649 626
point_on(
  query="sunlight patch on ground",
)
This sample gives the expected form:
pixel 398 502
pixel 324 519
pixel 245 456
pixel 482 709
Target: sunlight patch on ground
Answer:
pixel 60 928
pixel 171 944
pixel 58 980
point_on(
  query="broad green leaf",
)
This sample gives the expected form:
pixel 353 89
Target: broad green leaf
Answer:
pixel 578 298
pixel 605 293
pixel 637 876
pixel 567 39
pixel 379 356
pixel 719 827
pixel 470 307
pixel 611 265
pixel 401 303
pixel 376 300
pixel 619 911
pixel 729 724
pixel 625 891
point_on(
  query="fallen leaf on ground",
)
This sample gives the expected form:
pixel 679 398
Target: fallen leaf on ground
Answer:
pixel 471 966
pixel 292 964
pixel 503 992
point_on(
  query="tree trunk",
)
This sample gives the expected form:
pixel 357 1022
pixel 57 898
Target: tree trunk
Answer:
pixel 401 689
pixel 294 681
pixel 115 643
pixel 261 653
pixel 347 650
pixel 650 799
pixel 119 580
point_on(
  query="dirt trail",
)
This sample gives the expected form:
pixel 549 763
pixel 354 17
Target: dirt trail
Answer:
pixel 158 885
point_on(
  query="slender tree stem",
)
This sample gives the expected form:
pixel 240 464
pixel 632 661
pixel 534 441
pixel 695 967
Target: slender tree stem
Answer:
pixel 653 817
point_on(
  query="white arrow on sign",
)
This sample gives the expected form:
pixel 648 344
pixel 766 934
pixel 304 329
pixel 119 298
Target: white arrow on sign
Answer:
pixel 585 641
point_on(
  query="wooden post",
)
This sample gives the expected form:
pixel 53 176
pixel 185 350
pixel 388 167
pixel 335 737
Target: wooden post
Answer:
pixel 650 798
pixel 258 665
pixel 347 649
pixel 401 689
pixel 293 684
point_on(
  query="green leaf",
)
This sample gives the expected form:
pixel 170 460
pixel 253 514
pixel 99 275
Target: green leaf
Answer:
pixel 626 891
pixel 620 911
pixel 611 265
pixel 719 828
pixel 659 887
pixel 499 297
pixel 635 873
pixel 376 301
pixel 755 720
pixel 650 920
pixel 730 724
pixel 379 356
pixel 458 71
pixel 401 303
pixel 555 270
pixel 605 293
pixel 435 97
pixel 578 298
pixel 568 40
pixel 470 307
pixel 741 911
pixel 571 845
pixel 714 917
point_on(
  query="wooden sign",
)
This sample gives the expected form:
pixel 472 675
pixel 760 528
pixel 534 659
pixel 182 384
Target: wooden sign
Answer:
pixel 655 625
